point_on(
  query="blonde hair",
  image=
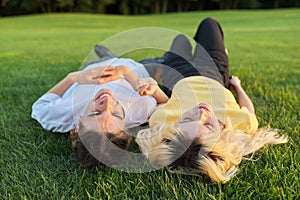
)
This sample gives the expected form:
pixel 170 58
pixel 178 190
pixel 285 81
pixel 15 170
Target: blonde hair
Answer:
pixel 218 157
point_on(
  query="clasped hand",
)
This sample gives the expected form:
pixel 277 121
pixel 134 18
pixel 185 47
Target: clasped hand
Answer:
pixel 99 75
pixel 104 74
pixel 146 86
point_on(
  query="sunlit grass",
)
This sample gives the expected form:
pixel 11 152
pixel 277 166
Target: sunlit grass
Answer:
pixel 39 50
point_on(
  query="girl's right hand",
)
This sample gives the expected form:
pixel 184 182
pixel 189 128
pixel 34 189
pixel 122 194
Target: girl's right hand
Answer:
pixel 146 86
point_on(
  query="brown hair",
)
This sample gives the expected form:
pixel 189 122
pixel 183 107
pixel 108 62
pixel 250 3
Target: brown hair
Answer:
pixel 84 156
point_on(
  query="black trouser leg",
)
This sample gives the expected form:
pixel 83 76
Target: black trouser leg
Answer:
pixel 178 63
pixel 210 36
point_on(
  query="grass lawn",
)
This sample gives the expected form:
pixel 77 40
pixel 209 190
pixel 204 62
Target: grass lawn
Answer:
pixel 39 50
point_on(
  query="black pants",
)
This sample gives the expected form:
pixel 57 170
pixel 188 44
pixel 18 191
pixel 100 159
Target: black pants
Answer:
pixel 209 59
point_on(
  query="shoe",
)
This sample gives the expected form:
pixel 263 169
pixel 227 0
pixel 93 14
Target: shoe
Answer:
pixel 158 60
pixel 103 51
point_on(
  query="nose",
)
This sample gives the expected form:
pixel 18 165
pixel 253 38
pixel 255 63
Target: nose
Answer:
pixel 205 116
pixel 106 104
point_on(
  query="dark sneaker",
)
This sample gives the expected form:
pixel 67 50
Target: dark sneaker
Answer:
pixel 103 51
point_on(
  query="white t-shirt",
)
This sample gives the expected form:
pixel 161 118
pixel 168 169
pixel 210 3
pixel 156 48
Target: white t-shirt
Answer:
pixel 60 114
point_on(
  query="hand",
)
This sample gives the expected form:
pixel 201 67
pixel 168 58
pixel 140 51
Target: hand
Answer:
pixel 146 86
pixel 242 97
pixel 235 82
pixel 98 75
pixel 113 74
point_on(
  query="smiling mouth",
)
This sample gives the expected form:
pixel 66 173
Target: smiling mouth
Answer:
pixel 204 107
pixel 104 94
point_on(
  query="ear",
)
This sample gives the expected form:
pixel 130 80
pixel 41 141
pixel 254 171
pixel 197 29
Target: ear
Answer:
pixel 77 127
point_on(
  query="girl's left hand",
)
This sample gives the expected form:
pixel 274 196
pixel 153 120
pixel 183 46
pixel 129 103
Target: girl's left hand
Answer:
pixel 235 83
pixel 99 75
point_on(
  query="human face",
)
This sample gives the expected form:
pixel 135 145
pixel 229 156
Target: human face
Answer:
pixel 104 114
pixel 199 122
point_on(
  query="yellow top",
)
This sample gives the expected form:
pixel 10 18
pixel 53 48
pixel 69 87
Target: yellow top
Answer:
pixel 191 91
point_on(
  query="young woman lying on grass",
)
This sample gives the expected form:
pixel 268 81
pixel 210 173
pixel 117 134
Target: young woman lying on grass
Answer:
pixel 98 113
pixel 202 129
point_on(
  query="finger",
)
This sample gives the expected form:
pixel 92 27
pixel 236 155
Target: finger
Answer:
pixel 95 76
pixel 103 80
pixel 143 86
pixel 108 68
pixel 103 74
pixel 98 76
pixel 107 73
pixel 143 90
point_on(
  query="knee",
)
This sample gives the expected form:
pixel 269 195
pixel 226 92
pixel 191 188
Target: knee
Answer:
pixel 209 21
pixel 210 24
pixel 181 37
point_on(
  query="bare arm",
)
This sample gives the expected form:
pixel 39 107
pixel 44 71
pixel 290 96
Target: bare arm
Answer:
pixel 61 87
pixel 242 97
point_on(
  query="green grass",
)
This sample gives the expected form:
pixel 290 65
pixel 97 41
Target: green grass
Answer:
pixel 39 50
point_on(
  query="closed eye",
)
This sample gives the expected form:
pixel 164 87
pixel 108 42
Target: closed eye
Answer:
pixel 117 115
pixel 93 113
pixel 186 120
pixel 209 126
pixel 120 116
